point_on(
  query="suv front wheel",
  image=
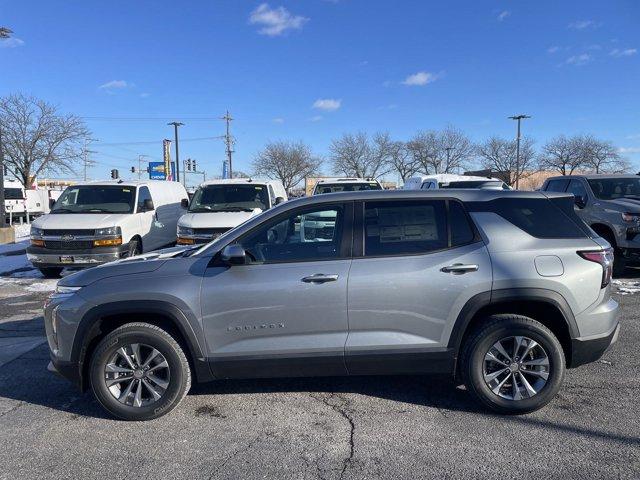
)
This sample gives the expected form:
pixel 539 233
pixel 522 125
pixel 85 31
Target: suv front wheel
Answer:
pixel 513 364
pixel 139 372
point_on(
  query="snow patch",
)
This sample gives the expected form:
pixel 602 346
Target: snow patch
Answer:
pixel 627 287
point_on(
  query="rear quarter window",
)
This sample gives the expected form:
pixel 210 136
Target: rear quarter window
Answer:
pixel 540 218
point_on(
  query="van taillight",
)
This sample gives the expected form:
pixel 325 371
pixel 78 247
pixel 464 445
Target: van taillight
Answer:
pixel 604 258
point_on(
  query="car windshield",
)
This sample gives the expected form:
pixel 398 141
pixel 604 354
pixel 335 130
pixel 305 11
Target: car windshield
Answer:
pixel 481 184
pixel 230 198
pixel 96 199
pixel 346 187
pixel 612 188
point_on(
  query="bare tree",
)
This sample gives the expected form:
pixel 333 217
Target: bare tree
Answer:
pixel 562 154
pixel 401 161
pixel 288 162
pixel 5 32
pixel 446 151
pixel 499 155
pixel 36 138
pixel 602 156
pixel 354 155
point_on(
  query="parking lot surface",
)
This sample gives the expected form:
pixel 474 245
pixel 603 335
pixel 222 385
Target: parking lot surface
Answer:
pixel 328 428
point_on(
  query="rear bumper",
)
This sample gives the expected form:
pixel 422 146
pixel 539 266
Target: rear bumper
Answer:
pixel 45 257
pixel 587 350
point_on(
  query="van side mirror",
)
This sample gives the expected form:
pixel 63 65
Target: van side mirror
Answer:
pixel 279 200
pixel 580 201
pixel 184 203
pixel 233 254
pixel 147 205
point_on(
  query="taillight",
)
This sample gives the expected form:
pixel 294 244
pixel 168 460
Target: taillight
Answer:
pixel 604 258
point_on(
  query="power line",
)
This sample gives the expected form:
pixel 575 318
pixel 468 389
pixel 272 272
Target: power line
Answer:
pixel 152 142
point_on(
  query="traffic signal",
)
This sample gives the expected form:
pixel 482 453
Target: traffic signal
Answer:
pixel 133 169
pixel 114 174
pixel 188 164
pixel 193 164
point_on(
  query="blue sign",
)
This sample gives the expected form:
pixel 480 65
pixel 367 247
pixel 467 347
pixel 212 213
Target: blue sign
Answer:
pixel 225 169
pixel 156 171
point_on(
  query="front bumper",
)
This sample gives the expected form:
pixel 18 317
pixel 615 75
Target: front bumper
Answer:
pixel 67 370
pixel 46 257
pixel 587 350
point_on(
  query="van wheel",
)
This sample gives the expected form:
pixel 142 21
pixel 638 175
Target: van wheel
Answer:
pixel 513 364
pixel 139 372
pixel 50 272
pixel 134 248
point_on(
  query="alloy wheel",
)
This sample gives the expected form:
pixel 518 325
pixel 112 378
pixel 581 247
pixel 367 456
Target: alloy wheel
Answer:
pixel 516 368
pixel 137 375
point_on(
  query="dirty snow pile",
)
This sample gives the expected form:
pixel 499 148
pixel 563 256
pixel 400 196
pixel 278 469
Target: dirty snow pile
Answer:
pixel 627 287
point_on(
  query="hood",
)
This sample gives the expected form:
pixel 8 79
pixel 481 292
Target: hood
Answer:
pixel 79 220
pixel 630 205
pixel 216 219
pixel 148 262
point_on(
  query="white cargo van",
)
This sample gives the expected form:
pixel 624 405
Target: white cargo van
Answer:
pixel 449 180
pixel 334 185
pixel 219 205
pixel 97 222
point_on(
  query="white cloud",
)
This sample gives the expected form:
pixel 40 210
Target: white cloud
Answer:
pixel 115 85
pixel 145 95
pixel 553 49
pixel 420 79
pixel 275 21
pixel 503 15
pixel 317 118
pixel 627 52
pixel 278 120
pixel 629 150
pixel 633 137
pixel 327 104
pixel 582 24
pixel 11 43
pixel 579 60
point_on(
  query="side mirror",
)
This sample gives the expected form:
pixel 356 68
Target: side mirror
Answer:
pixel 234 254
pixel 184 203
pixel 279 200
pixel 147 205
pixel 580 201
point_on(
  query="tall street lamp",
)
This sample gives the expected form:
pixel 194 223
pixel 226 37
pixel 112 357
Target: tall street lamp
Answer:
pixel 518 118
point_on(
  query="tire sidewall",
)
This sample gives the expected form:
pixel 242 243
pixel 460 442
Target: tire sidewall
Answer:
pixel 556 368
pixel 107 348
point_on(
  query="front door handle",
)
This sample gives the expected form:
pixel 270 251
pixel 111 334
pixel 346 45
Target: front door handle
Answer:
pixel 459 268
pixel 320 278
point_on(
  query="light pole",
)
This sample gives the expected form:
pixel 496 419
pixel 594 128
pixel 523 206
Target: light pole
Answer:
pixel 518 118
pixel 175 133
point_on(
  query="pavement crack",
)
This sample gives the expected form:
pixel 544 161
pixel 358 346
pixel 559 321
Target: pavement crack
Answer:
pixel 12 409
pixel 341 409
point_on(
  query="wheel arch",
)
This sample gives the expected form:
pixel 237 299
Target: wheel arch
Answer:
pixel 545 306
pixel 103 319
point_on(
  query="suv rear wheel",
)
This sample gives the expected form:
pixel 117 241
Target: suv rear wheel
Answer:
pixel 513 364
pixel 139 372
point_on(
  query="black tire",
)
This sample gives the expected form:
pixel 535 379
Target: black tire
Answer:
pixel 50 272
pixel 134 248
pixel 493 329
pixel 152 336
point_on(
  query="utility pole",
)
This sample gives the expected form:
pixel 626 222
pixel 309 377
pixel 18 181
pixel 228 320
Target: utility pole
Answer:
pixel 86 152
pixel 140 157
pixel 518 118
pixel 175 133
pixel 228 140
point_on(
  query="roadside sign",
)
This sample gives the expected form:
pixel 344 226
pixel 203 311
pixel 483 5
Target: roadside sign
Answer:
pixel 156 170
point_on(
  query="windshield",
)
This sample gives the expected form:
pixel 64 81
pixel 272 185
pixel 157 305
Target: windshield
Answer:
pixel 482 184
pixel 346 187
pixel 96 199
pixel 612 188
pixel 13 194
pixel 230 198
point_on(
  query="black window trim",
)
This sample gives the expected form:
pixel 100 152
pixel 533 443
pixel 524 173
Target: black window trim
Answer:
pixel 346 242
pixel 359 236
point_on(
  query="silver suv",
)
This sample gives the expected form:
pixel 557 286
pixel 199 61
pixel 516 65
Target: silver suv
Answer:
pixel 500 289
pixel 610 204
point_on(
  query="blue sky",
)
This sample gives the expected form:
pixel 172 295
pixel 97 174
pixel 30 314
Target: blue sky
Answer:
pixel 312 70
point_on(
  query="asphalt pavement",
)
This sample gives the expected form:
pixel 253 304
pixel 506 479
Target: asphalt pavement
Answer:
pixel 328 428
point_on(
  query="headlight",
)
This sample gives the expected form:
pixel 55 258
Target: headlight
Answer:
pixel 631 217
pixel 184 230
pixel 106 232
pixel 36 232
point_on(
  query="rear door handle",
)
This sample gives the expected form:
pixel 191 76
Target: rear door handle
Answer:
pixel 459 268
pixel 320 278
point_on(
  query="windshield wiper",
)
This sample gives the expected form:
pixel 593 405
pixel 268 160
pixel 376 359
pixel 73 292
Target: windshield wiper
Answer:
pixel 63 210
pixel 234 209
pixel 634 197
pixel 199 209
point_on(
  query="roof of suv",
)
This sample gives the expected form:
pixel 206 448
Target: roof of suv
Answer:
pixel 593 176
pixel 465 195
